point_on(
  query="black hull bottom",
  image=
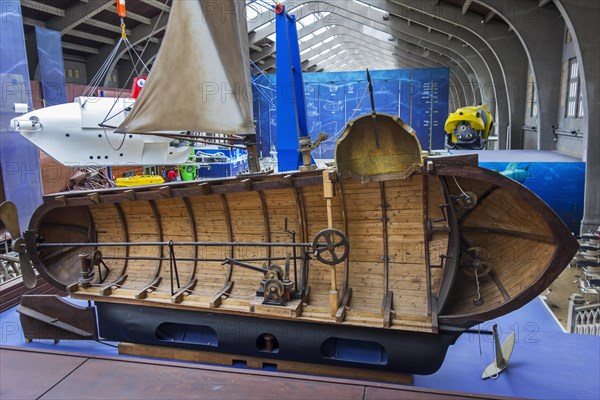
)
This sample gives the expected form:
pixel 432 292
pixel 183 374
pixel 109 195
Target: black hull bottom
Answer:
pixel 328 344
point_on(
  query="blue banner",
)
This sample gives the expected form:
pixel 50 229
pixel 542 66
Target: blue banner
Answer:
pixel 418 96
pixel 19 160
pixel 52 69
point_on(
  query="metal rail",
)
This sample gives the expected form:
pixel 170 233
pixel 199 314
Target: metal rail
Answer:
pixel 207 244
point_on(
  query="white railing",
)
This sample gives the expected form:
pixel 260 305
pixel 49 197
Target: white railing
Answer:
pixel 583 319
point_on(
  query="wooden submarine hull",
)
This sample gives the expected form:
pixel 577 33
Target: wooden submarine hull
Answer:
pixel 420 256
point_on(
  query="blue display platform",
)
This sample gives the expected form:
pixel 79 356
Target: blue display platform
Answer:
pixel 546 364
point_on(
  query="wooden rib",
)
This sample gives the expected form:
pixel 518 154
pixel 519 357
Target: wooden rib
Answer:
pixel 178 296
pixel 303 229
pixel 345 222
pixel 453 250
pixel 387 309
pixel 384 226
pixel 480 200
pixel 217 299
pixel 340 314
pixel 94 197
pixel 508 232
pixel 301 214
pixel 107 290
pixel 501 287
pixel 190 212
pixel 159 231
pixel 229 233
pixel 426 239
pixel 152 286
pixel 125 233
pixel 265 212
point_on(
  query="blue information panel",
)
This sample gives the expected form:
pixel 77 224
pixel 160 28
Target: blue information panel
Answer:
pixel 418 96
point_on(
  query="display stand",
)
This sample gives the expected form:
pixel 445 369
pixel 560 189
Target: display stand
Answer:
pixel 207 357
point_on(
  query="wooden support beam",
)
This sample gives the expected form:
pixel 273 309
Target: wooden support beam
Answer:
pixel 387 309
pixel 151 287
pixel 434 312
pixel 181 293
pixel 204 188
pixel 218 298
pixel 108 289
pixel 165 191
pixel 129 194
pixel 340 314
pixel 94 197
pixel 246 184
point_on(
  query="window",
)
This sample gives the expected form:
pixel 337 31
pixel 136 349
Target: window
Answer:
pixel 532 97
pixel 568 37
pixel 580 111
pixel 574 98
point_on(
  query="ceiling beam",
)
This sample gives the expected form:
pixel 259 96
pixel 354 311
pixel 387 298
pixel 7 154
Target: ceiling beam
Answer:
pixel 542 3
pixel 161 5
pixel 78 47
pixel 90 36
pixel 34 5
pixel 466 6
pixel 77 14
pixel 33 22
pixel 489 17
pixel 105 26
pixel 130 15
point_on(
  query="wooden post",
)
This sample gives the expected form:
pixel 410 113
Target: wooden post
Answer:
pixel 328 193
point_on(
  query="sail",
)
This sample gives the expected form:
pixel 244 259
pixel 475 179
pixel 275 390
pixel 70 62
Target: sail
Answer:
pixel 201 78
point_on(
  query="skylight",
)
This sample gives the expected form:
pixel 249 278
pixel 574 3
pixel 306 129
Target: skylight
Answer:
pixel 375 33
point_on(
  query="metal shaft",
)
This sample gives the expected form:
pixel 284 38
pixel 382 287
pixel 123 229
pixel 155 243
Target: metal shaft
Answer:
pixel 207 244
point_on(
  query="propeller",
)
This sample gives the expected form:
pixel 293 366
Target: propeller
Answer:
pixel 10 219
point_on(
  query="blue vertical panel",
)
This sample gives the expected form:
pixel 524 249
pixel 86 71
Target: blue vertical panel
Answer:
pixel 265 107
pixel 332 99
pixel 52 69
pixel 405 94
pixel 440 77
pixel 421 106
pixel 19 159
pixel 313 117
pixel 385 93
pixel 419 97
